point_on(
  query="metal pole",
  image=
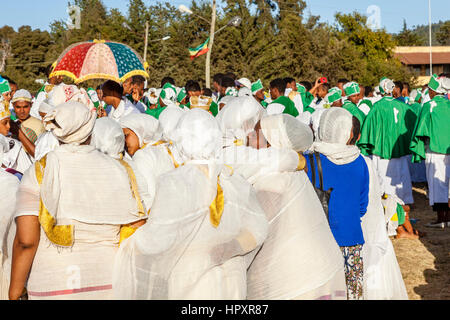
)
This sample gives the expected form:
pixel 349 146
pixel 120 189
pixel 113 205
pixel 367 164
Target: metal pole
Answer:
pixel 211 42
pixel 146 40
pixel 429 27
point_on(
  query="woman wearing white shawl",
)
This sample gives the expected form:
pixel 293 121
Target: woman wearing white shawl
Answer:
pixel 190 248
pixel 300 258
pixel 108 138
pixel 8 186
pixel 151 155
pixel 64 202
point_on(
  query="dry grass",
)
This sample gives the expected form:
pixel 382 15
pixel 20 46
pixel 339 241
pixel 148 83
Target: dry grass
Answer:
pixel 425 263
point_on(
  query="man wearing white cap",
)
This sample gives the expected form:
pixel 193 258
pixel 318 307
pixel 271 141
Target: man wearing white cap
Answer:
pixel 27 128
pixel 431 142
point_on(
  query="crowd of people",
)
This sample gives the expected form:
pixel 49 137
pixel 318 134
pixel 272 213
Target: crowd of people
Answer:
pixel 230 192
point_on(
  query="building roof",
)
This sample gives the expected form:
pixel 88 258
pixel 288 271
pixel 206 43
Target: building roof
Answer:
pixel 421 55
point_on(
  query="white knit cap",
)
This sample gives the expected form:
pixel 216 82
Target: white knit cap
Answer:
pixel 22 95
pixel 71 122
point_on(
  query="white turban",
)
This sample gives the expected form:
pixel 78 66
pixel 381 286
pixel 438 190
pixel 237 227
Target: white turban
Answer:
pixel 285 131
pixel 145 126
pixel 168 120
pixel 198 136
pixel 334 132
pixel 71 122
pixel 65 93
pixel 238 119
pixel 45 107
pixel 108 137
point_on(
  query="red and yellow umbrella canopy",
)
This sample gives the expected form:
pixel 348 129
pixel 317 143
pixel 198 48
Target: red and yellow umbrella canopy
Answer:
pixel 99 59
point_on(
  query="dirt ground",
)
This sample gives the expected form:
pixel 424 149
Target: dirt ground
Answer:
pixel 425 263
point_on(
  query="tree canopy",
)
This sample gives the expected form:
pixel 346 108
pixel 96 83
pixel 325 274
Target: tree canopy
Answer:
pixel 274 40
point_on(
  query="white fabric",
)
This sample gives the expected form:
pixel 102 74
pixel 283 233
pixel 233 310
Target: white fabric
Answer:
pixel 108 137
pixel 124 109
pixel 198 136
pixel 438 175
pixel 382 276
pixel 252 163
pixel 4 147
pixel 178 254
pixel 145 127
pixel 71 122
pixel 364 108
pixel 17 158
pixel 45 107
pixel 9 185
pixel 80 183
pixel 246 83
pixel 394 177
pixel 245 92
pixel 298 102
pixel 168 120
pixel 334 132
pixel 275 108
pixel 285 131
pixel 44 144
pixel 300 253
pixel 151 162
pixel 238 119
pixel 315 121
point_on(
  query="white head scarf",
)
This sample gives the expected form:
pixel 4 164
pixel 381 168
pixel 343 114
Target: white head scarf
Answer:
pixel 285 131
pixel 238 119
pixel 168 120
pixel 334 133
pixel 108 137
pixel 198 136
pixel 71 122
pixel 145 127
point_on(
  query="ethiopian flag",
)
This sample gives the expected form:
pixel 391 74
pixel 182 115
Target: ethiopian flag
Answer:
pixel 198 51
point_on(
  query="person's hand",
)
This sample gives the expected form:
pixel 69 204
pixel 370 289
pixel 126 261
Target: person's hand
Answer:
pixel 7 96
pixel 14 129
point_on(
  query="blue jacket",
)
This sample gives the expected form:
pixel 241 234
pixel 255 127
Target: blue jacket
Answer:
pixel 348 200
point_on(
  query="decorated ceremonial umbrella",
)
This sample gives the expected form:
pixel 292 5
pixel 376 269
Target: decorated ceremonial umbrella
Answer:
pixel 99 59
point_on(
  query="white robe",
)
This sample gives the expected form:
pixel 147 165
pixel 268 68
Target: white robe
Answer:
pixel 382 276
pixel 438 175
pixel 9 185
pixel 125 108
pixel 178 254
pixel 394 177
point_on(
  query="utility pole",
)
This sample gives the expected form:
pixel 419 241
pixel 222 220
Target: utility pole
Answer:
pixel 146 40
pixel 210 46
pixel 429 27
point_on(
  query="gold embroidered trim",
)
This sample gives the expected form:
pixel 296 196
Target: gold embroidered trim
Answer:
pixel 59 235
pixel 134 188
pixel 217 206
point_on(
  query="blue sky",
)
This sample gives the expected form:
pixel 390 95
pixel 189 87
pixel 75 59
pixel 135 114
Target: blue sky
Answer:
pixel 39 14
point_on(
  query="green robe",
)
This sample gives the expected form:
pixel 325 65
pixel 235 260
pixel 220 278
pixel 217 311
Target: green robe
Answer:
pixel 416 107
pixel 355 111
pixel 387 129
pixel 433 124
pixel 289 106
